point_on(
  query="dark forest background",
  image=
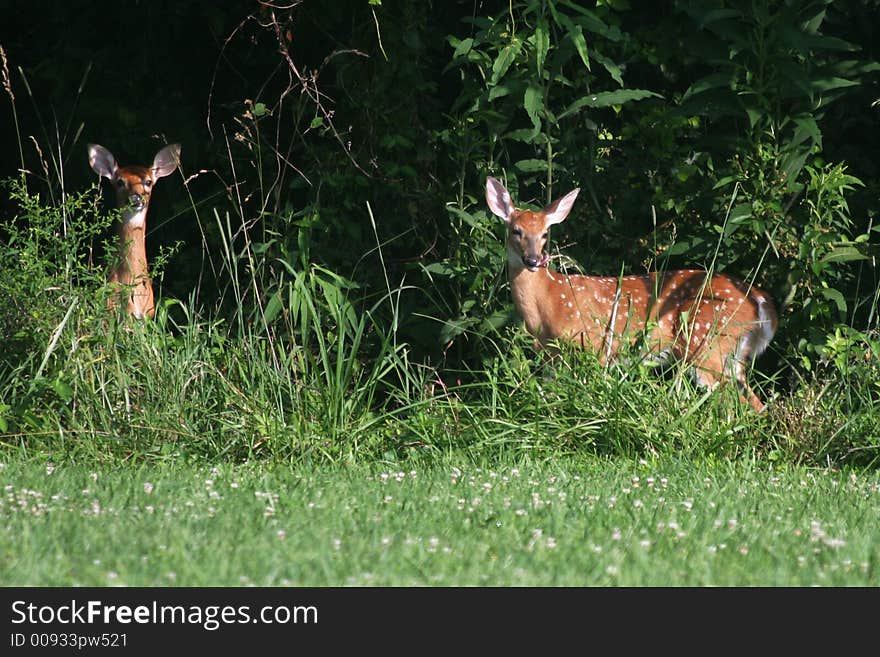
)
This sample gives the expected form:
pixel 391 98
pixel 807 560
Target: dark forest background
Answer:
pixel 352 138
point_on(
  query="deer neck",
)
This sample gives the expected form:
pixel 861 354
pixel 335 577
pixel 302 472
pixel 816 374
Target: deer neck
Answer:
pixel 131 271
pixel 132 257
pixel 530 291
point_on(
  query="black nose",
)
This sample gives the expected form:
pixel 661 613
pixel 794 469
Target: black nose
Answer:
pixel 531 263
pixel 136 201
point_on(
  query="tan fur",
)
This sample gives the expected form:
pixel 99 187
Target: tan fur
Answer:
pixel 715 324
pixel 134 187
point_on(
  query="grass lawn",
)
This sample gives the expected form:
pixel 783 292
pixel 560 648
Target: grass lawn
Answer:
pixel 575 521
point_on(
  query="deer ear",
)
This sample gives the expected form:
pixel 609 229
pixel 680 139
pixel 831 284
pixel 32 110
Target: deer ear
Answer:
pixel 558 210
pixel 498 199
pixel 166 161
pixel 102 161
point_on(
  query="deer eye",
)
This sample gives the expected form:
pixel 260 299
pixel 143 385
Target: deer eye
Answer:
pixel 120 183
pixel 148 183
pixel 517 232
pixel 545 236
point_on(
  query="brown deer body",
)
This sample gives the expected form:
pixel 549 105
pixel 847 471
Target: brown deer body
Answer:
pixel 134 187
pixel 716 324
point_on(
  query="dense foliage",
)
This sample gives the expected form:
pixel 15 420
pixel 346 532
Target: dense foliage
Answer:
pixel 330 223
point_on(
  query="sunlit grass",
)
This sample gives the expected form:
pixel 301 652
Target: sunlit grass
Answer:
pixel 290 435
pixel 579 521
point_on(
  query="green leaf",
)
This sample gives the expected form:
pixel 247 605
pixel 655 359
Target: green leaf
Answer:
pixel 811 25
pixel 833 295
pixel 715 15
pixel 805 43
pixel 591 21
pixel 686 246
pixel 580 43
pixel 452 329
pixel 607 99
pixel 273 307
pixel 441 268
pixel 525 135
pixel 718 102
pixel 505 58
pixel 463 47
pixel 63 390
pixel 844 253
pixel 495 320
pixel 821 85
pixel 791 166
pixel 755 114
pixel 740 212
pixel 575 33
pixel 467 217
pixel 542 43
pixel 609 65
pixel 725 181
pixel 498 91
pixel 807 128
pixel 531 166
pixel 714 81
pixel 847 68
pixel 317 122
pixel 533 101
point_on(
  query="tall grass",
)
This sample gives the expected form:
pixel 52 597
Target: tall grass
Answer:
pixel 321 374
pixel 296 362
pixel 448 521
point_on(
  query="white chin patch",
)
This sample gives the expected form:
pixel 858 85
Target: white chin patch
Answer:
pixel 137 219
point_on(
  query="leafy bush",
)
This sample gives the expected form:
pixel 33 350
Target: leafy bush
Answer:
pixel 48 284
pixel 342 285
